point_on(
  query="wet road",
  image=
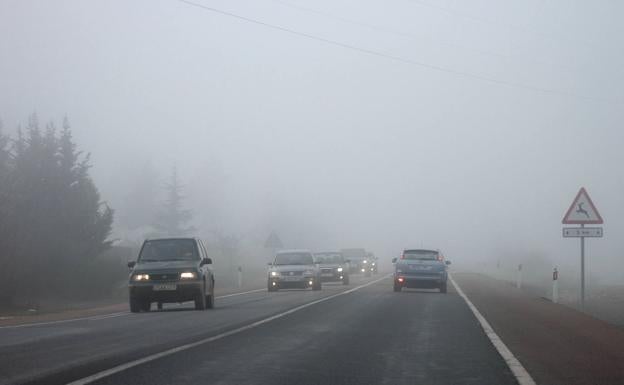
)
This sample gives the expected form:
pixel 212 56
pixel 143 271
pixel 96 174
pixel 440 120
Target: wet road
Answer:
pixel 360 334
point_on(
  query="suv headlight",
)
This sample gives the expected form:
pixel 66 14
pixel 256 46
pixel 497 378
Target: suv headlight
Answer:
pixel 140 277
pixel 365 261
pixel 339 269
pixel 275 273
pixel 188 275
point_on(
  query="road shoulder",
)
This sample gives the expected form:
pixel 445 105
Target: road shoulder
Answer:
pixel 556 344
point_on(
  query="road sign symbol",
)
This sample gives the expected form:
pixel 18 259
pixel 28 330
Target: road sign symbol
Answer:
pixel 582 211
pixel 578 232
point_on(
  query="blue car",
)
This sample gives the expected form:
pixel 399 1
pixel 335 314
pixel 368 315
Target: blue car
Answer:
pixel 420 268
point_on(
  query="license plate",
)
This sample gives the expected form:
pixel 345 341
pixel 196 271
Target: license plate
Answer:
pixel 418 267
pixel 165 287
pixel 291 279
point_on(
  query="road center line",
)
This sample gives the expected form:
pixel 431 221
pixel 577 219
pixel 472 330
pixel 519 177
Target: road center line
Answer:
pixel 131 364
pixel 522 376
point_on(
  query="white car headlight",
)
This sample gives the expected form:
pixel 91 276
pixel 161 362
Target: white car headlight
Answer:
pixel 274 273
pixel 140 277
pixel 188 275
pixel 339 269
pixel 365 261
pixel 373 263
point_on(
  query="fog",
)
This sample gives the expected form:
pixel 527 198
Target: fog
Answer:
pixel 464 126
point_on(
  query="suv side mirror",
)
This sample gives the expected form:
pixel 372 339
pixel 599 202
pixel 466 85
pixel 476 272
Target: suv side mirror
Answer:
pixel 448 262
pixel 394 260
pixel 205 261
pixel 131 264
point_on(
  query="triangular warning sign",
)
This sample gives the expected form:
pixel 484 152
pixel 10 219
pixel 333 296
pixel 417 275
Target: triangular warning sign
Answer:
pixel 582 211
pixel 273 241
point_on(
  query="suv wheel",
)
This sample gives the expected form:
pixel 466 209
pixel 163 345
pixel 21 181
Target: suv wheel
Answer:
pixel 443 288
pixel 200 299
pixel 345 280
pixel 210 299
pixel 317 285
pixel 397 288
pixel 135 305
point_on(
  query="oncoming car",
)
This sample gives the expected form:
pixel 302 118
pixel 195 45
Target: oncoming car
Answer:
pixel 333 267
pixel 294 269
pixel 171 270
pixel 420 268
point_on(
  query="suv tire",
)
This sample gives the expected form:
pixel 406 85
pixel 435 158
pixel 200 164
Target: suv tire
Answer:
pixel 443 288
pixel 135 305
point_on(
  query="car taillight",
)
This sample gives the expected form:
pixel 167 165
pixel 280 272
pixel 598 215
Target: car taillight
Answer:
pixel 400 279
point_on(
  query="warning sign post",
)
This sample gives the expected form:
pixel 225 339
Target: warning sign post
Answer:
pixel 582 212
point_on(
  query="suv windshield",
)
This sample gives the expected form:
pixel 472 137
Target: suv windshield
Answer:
pixel 169 250
pixel 329 258
pixel 421 255
pixel 294 259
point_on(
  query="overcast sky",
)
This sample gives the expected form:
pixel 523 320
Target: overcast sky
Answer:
pixel 464 125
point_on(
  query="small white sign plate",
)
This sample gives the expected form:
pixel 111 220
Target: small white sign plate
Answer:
pixel 580 232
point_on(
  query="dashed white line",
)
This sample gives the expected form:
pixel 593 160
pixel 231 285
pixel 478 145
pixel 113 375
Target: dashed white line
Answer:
pixel 522 376
pixel 131 364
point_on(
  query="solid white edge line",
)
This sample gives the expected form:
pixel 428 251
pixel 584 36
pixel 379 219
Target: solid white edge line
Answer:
pixel 131 364
pixel 107 315
pixel 522 376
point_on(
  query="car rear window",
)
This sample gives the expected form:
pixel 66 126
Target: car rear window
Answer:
pixel 422 255
pixel 169 250
pixel 328 258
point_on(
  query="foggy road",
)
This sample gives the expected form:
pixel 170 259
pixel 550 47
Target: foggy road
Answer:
pixel 360 334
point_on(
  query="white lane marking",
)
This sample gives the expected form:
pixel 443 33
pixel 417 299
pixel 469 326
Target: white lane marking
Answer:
pixel 103 316
pixel 131 364
pixel 241 293
pixel 522 376
pixel 108 315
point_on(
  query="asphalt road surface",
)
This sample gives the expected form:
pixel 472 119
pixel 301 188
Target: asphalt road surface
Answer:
pixel 358 334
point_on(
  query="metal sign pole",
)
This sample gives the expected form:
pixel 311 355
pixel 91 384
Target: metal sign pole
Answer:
pixel 582 271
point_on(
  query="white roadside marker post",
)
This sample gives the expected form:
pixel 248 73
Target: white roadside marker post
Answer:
pixel 555 286
pixel 519 277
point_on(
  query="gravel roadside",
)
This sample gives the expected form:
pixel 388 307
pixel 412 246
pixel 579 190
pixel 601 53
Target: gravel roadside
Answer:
pixel 555 343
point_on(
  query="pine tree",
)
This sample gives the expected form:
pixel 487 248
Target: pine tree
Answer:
pixel 173 220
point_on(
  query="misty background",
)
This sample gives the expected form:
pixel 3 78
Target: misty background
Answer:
pixel 472 134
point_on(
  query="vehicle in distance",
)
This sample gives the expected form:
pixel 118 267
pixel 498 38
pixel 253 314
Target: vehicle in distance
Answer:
pixel 420 268
pixel 171 270
pixel 357 260
pixel 373 263
pixel 294 269
pixel 333 267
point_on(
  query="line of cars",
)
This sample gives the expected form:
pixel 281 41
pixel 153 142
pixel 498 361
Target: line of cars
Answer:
pixel 176 270
pixel 179 270
pixel 304 269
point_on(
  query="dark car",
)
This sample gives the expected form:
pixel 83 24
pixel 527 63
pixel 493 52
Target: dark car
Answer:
pixel 294 269
pixel 171 270
pixel 420 268
pixel 333 267
pixel 358 260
